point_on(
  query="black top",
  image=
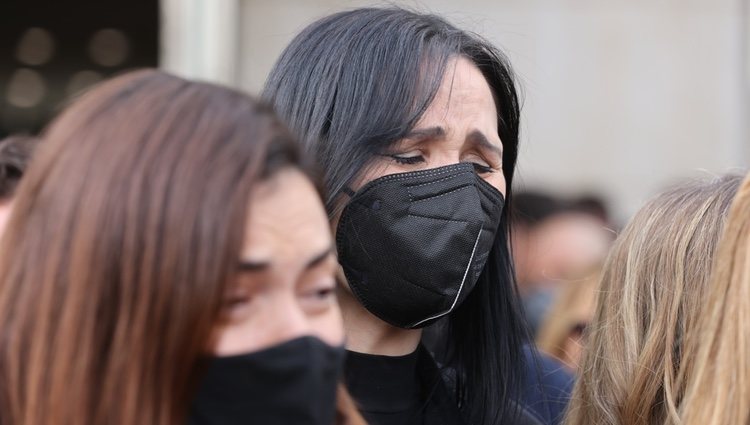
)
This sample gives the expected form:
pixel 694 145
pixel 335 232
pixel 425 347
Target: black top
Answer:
pixel 400 390
pixel 409 390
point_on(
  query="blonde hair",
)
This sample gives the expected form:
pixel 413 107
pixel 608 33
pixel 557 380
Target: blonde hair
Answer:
pixel 651 291
pixel 718 389
pixel 573 307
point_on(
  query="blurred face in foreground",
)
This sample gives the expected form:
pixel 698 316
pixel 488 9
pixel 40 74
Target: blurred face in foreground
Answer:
pixel 285 288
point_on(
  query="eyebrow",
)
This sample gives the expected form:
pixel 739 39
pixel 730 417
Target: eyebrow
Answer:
pixel 476 137
pixel 426 133
pixel 256 266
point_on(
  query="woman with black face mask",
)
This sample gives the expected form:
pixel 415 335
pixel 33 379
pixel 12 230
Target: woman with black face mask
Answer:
pixel 415 124
pixel 168 261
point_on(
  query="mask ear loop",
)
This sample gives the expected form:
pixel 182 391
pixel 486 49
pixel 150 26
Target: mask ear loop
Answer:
pixel 347 190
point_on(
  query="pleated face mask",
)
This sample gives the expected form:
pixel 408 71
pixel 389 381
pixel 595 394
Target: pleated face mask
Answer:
pixel 412 245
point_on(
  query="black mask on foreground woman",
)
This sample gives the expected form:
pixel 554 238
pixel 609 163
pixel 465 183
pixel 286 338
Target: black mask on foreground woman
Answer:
pixel 412 245
pixel 292 383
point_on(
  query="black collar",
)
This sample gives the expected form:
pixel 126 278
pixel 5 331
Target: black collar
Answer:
pixel 383 384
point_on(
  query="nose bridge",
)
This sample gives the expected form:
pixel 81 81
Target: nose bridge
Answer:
pixel 288 320
pixel 446 154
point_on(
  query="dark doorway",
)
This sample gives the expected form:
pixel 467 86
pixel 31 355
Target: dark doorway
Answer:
pixel 50 50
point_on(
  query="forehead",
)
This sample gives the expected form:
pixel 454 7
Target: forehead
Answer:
pixel 463 89
pixel 286 221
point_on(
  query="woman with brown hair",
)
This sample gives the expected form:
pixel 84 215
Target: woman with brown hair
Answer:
pixel 652 288
pixel 718 389
pixel 167 261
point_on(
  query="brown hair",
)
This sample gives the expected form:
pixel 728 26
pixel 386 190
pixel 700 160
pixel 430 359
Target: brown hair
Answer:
pixel 346 410
pixel 652 288
pixel 718 389
pixel 15 153
pixel 125 232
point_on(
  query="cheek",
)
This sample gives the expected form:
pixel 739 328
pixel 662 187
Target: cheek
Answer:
pixel 377 168
pixel 241 337
pixel 497 179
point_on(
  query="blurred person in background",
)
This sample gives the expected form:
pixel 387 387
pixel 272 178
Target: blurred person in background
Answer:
pixel 717 390
pixel 653 287
pixel 15 154
pixel 415 123
pixel 168 261
pixel 594 206
pixel 555 241
pixel 561 332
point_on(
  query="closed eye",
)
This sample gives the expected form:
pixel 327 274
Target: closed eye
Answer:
pixel 321 293
pixel 404 159
pixel 490 150
pixel 318 297
pixel 482 169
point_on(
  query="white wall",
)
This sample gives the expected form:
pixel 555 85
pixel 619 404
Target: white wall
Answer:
pixel 200 39
pixel 621 97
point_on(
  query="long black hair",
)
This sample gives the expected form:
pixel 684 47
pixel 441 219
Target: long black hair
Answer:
pixel 352 84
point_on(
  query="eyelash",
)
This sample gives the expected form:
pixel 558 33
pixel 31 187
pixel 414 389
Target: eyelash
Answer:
pixel 234 301
pixel 411 160
pixel 482 169
pixel 324 293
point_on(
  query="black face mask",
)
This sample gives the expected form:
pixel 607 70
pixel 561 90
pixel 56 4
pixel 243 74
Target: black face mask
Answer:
pixel 291 383
pixel 413 245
